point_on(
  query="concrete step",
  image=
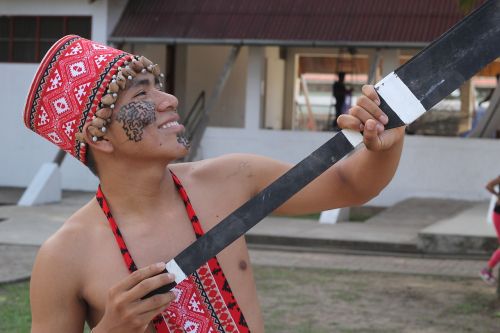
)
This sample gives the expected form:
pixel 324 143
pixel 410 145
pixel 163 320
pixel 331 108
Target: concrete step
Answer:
pixel 464 233
pixel 418 226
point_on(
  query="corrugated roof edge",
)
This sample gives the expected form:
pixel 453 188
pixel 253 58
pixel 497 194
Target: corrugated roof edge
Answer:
pixel 264 42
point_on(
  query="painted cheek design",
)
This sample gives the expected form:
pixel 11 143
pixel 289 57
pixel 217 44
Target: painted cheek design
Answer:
pixel 135 116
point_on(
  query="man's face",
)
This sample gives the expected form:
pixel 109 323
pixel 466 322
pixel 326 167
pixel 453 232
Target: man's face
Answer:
pixel 145 121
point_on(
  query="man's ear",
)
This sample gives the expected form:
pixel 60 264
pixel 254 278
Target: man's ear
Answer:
pixel 102 144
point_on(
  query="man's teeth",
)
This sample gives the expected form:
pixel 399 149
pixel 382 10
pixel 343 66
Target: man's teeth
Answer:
pixel 170 124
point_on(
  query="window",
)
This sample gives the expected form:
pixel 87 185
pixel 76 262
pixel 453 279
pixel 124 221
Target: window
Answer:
pixel 28 38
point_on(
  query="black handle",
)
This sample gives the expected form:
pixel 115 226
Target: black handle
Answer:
pixel 162 290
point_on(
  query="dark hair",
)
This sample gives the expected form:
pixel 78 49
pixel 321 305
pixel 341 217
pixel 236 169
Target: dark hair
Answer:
pixel 91 163
pixel 341 75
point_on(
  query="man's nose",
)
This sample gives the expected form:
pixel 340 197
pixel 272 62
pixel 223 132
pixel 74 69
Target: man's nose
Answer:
pixel 168 103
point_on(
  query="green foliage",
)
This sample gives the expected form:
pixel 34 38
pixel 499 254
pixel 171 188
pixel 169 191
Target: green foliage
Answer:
pixel 467 5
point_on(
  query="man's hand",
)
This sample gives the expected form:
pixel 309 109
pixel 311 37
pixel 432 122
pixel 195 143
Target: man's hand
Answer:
pixel 367 117
pixel 126 311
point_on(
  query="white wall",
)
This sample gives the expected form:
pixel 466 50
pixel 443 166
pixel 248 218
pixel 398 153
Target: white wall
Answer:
pixel 441 167
pixel 21 151
pixel 430 166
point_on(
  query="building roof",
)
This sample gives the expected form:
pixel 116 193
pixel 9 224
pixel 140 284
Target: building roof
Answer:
pixel 396 23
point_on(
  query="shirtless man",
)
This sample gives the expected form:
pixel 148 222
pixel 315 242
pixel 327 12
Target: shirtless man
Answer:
pixel 79 274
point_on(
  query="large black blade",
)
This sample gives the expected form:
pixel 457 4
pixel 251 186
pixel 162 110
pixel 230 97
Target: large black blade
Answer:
pixel 450 60
pixel 268 200
pixel 455 57
pixel 405 94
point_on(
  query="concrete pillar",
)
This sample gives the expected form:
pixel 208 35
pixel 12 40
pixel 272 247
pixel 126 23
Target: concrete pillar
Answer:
pixel 374 74
pixel 334 216
pixel 466 106
pixel 254 89
pixel 290 80
pixel 181 58
pixel 44 188
pixel 390 60
pixel 275 89
pixel 115 10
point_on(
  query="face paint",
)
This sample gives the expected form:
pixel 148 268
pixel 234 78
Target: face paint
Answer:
pixel 135 116
pixel 183 140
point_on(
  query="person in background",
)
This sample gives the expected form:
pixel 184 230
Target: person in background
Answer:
pixel 340 92
pixel 487 272
pixel 490 94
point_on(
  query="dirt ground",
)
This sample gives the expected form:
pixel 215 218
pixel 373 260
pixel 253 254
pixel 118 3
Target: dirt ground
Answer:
pixel 338 301
pixel 300 300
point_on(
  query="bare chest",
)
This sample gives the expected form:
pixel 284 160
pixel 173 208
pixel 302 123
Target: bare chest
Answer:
pixel 106 266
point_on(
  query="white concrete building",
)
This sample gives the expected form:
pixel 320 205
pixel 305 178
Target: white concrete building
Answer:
pixel 22 152
pixel 257 109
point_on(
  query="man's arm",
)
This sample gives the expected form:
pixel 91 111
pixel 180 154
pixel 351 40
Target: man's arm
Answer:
pixel 55 306
pixel 352 181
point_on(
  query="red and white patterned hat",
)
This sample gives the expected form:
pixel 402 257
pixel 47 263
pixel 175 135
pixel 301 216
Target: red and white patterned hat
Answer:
pixel 67 89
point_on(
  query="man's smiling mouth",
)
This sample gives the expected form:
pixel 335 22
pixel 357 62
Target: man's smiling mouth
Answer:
pixel 170 124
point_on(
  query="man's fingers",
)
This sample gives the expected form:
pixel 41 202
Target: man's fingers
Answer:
pixel 360 113
pixel 139 275
pixel 350 122
pixel 147 285
pixel 371 137
pixel 370 92
pixel 154 304
pixel 372 102
pixel 125 299
pixel 147 317
pixel 148 309
pixel 366 116
pixel 370 106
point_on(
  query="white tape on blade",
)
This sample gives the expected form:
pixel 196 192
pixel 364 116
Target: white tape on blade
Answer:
pixel 355 138
pixel 400 98
pixel 173 268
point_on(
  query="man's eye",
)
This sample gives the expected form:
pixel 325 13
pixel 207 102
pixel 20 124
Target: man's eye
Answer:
pixel 141 93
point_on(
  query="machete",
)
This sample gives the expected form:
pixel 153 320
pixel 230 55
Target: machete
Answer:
pixel 405 95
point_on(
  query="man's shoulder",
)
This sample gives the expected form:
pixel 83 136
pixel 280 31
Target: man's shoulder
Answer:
pixel 246 172
pixel 58 275
pixel 72 237
pixel 217 166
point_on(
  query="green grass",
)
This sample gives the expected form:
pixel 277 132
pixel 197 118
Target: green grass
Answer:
pixel 314 216
pixel 356 214
pixel 15 313
pixel 473 303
